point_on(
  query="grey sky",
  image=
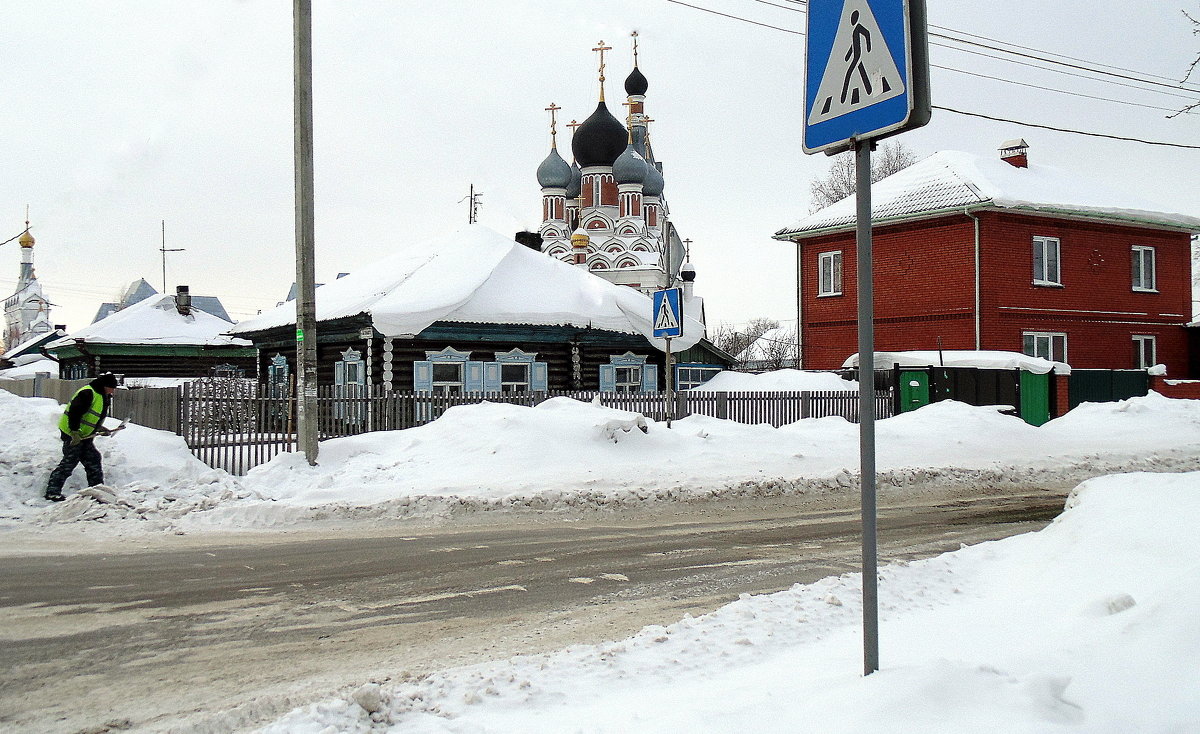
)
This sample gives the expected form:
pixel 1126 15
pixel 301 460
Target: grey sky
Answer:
pixel 121 114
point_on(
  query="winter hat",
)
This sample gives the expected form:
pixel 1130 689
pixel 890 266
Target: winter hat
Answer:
pixel 107 379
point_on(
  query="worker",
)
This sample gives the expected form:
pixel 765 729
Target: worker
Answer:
pixel 81 422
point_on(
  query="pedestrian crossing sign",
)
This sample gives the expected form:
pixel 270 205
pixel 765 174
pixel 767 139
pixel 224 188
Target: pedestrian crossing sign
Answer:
pixel 668 313
pixel 865 77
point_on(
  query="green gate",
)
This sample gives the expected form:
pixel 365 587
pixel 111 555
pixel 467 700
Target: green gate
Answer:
pixel 1035 397
pixel 914 390
pixel 1106 386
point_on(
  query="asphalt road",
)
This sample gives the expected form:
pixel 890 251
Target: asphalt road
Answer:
pixel 222 636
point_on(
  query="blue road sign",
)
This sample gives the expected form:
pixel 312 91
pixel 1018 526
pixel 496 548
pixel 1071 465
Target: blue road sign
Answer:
pixel 864 75
pixel 668 313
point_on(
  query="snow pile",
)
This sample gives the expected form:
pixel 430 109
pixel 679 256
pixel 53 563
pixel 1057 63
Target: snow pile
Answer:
pixel 569 455
pixel 982 359
pixel 150 475
pixel 1033 633
pixel 776 381
pixel 27 369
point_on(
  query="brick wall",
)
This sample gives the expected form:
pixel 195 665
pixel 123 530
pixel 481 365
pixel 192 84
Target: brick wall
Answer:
pixel 1189 390
pixel 925 290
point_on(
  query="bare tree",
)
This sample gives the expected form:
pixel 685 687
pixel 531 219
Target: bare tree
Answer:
pixel 1192 67
pixel 778 350
pixel 735 341
pixel 840 182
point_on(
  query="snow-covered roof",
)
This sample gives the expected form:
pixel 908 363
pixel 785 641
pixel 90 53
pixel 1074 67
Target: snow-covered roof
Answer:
pixel 982 359
pixel 952 180
pixel 31 342
pixel 155 320
pixel 477 275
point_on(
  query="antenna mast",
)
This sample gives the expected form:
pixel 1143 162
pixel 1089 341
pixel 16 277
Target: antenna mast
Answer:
pixel 164 252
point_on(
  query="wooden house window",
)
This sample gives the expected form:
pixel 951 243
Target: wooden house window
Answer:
pixel 448 378
pixel 830 273
pixel 1145 351
pixel 1047 263
pixel 515 371
pixel 1144 276
pixel 628 372
pixel 1047 345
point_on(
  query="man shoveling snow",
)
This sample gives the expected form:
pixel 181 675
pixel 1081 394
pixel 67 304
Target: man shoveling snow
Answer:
pixel 81 422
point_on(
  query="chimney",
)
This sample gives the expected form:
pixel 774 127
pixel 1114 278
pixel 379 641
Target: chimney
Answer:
pixel 1015 153
pixel 183 300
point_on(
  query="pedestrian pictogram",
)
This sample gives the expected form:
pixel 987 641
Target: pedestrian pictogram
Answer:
pixel 861 70
pixel 668 313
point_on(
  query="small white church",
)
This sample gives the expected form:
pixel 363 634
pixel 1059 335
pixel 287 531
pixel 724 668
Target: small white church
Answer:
pixel 26 311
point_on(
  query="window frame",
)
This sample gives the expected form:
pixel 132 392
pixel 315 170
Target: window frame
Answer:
pixel 1140 342
pixel 1049 337
pixel 1138 269
pixel 1041 246
pixel 835 262
pixel 449 387
pixel 703 373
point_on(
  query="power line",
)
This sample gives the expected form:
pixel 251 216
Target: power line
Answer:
pixel 1065 130
pixel 736 17
pixel 1175 84
pixel 1052 89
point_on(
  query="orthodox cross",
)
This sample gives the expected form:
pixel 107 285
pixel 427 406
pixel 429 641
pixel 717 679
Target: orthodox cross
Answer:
pixel 552 109
pixel 687 250
pixel 602 48
pixel 629 118
pixel 635 37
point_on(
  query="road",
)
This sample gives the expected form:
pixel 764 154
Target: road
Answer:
pixel 225 633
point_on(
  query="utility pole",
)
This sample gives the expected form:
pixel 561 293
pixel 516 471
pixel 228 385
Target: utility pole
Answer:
pixel 306 308
pixel 164 252
pixel 473 207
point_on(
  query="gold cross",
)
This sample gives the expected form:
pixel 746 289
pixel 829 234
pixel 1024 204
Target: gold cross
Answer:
pixel 629 119
pixel 572 124
pixel 602 48
pixel 552 109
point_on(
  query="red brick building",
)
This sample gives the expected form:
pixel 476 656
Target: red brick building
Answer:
pixel 991 253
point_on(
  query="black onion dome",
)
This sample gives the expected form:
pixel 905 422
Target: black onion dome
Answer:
pixel 554 171
pixel 654 183
pixel 599 140
pixel 576 185
pixel 629 167
pixel 635 83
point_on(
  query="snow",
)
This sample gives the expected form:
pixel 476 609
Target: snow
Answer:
pixel 27 368
pixel 982 359
pixel 776 381
pixel 1028 634
pixel 1088 625
pixel 476 275
pixel 949 180
pixel 155 320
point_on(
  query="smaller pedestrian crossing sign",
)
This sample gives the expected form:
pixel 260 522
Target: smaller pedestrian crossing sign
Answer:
pixel 668 313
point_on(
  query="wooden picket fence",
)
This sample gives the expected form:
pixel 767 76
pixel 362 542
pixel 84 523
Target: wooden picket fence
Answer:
pixel 237 424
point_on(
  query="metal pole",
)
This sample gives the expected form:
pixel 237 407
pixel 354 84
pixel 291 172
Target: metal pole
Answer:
pixel 670 406
pixel 306 320
pixel 866 409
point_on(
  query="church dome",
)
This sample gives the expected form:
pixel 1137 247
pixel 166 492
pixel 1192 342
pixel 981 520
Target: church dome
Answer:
pixel 575 187
pixel 629 167
pixel 599 140
pixel 635 83
pixel 26 239
pixel 554 173
pixel 653 185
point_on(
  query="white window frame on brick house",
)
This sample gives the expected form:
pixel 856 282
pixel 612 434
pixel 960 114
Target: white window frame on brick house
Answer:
pixel 829 273
pixel 1050 345
pixel 1145 351
pixel 1047 261
pixel 1144 271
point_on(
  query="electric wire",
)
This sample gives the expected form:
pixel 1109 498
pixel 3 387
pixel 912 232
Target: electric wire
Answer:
pixel 1066 130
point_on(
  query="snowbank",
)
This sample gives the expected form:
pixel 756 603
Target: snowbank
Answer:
pixel 1088 625
pixel 568 455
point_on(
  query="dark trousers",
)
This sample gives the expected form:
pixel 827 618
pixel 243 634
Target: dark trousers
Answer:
pixel 83 452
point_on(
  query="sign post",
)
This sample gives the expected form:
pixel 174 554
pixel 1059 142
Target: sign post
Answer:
pixel 668 323
pixel 866 78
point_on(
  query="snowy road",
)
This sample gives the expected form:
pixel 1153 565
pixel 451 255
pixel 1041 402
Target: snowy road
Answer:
pixel 197 635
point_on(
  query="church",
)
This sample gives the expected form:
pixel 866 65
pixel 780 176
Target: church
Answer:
pixel 26 311
pixel 605 211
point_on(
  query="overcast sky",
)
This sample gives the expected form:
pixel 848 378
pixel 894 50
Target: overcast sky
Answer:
pixel 122 114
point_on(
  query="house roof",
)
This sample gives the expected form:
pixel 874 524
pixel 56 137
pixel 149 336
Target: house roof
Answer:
pixel 32 343
pixel 477 275
pixel 951 181
pixel 156 321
